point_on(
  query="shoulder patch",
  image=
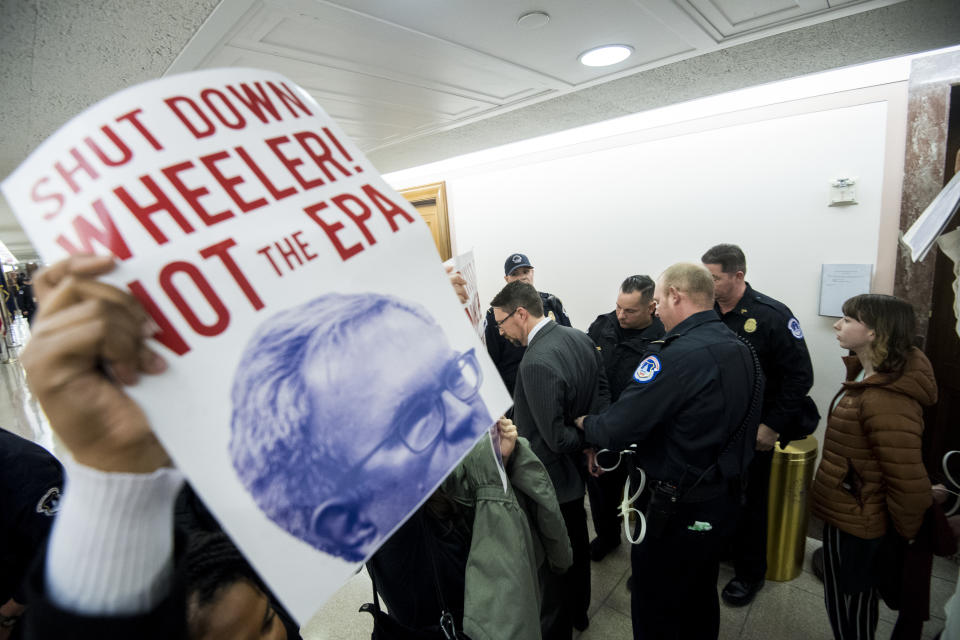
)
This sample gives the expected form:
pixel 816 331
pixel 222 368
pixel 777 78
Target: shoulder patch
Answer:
pixel 647 370
pixel 794 327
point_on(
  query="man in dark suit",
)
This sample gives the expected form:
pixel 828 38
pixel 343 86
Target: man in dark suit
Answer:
pixel 559 378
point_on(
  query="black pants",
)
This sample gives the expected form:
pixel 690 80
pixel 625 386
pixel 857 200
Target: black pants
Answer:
pixel 566 597
pixel 750 541
pixel 848 589
pixel 675 575
pixel 606 494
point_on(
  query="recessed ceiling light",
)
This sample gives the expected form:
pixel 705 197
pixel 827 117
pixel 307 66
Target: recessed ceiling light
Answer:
pixel 606 55
pixel 533 20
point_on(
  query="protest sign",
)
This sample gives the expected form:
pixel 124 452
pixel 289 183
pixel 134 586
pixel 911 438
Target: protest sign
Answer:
pixel 323 379
pixel 465 265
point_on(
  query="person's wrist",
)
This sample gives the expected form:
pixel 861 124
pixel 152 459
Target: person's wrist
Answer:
pixel 141 457
pixel 120 463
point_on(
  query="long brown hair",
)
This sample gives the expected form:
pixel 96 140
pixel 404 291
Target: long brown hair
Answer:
pixel 894 323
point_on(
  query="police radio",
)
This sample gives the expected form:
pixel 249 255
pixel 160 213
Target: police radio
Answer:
pixel 664 502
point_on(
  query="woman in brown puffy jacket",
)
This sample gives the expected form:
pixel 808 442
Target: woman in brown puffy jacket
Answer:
pixel 872 474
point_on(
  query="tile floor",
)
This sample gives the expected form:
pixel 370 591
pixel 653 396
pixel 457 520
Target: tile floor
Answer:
pixel 781 611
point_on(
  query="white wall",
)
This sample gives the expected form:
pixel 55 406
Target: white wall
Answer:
pixel 598 208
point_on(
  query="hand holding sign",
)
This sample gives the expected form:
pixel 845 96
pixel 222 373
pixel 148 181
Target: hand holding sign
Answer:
pixel 508 437
pixel 83 328
pixel 459 283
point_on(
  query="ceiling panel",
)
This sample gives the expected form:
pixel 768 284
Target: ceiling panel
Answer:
pixel 380 110
pixel 574 26
pixel 392 71
pixel 741 12
pixel 730 18
pixel 362 88
pixel 335 36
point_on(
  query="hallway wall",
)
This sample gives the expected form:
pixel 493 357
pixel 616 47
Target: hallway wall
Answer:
pixel 662 187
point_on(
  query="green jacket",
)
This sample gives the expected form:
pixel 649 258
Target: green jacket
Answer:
pixel 513 533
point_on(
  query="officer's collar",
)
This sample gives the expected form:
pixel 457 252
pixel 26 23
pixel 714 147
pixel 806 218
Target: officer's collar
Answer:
pixel 747 297
pixel 651 331
pixel 697 319
pixel 655 327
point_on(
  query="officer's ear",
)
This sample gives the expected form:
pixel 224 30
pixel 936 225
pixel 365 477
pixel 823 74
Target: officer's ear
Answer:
pixel 678 296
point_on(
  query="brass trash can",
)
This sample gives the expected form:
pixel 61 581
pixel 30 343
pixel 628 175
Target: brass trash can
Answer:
pixel 790 476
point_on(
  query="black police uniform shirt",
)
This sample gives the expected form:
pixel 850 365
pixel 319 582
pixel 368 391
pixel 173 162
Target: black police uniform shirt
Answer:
pixel 773 331
pixel 506 355
pixel 683 403
pixel 621 349
pixel 31 480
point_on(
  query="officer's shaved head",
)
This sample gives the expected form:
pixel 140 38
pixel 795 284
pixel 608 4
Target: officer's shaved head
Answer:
pixel 692 280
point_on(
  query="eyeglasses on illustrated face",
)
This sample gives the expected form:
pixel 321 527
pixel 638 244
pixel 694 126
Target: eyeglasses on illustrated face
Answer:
pixel 420 420
pixel 418 424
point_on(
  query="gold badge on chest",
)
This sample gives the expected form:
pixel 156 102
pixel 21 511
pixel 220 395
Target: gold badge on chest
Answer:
pixel 750 325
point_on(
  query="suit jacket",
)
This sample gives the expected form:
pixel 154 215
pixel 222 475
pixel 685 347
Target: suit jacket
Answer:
pixel 559 379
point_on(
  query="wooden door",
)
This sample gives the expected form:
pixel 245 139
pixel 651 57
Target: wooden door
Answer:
pixel 430 201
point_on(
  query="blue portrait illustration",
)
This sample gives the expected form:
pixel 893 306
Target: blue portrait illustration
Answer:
pixel 347 410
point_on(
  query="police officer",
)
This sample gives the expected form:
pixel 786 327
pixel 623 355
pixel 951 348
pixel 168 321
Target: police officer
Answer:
pixel 692 409
pixel 503 353
pixel 787 412
pixel 622 338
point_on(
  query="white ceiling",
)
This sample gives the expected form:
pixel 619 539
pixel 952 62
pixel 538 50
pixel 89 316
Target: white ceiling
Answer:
pixel 414 81
pixel 391 71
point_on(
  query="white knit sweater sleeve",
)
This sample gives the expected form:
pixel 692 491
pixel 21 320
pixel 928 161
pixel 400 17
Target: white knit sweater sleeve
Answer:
pixel 111 547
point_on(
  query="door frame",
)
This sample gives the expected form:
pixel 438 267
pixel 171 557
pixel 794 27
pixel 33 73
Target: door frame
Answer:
pixel 435 193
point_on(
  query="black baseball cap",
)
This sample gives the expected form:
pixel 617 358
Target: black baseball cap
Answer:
pixel 514 262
